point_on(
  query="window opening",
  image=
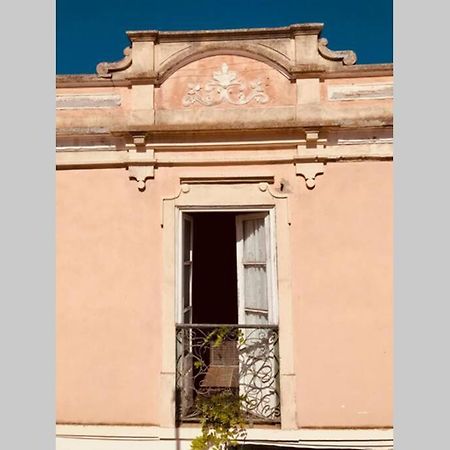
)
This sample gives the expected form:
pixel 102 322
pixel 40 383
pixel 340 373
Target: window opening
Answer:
pixel 227 339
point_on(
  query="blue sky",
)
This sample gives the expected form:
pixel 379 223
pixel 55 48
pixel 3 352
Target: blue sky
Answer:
pixel 91 31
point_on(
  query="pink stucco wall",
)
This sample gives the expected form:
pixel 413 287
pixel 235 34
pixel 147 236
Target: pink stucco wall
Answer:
pixel 342 284
pixel 108 299
pixel 109 282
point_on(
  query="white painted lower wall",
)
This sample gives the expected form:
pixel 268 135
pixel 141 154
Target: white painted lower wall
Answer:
pixel 92 437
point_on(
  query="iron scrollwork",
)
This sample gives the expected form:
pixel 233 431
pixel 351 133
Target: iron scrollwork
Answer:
pixel 240 359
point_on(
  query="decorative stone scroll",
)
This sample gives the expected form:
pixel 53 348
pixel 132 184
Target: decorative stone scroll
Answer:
pixel 104 69
pixel 348 57
pixel 225 88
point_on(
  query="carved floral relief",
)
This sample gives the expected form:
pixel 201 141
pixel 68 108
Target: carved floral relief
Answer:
pixel 224 82
pixel 225 87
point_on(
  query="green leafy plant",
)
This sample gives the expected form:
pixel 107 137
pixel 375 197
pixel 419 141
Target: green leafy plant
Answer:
pixel 217 336
pixel 222 421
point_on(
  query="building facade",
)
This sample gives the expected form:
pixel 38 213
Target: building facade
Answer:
pixel 224 224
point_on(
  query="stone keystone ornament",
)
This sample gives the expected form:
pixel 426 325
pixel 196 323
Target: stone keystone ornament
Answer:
pixel 225 88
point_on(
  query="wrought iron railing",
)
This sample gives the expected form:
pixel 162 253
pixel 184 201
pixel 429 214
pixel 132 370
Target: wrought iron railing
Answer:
pixel 238 359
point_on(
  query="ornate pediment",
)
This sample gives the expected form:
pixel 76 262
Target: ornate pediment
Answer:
pixel 292 50
pixel 216 80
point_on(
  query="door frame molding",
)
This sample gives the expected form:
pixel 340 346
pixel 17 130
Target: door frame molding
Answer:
pixel 245 197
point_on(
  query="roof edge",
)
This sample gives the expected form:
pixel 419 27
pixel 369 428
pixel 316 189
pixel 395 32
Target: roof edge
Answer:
pixel 221 34
pixel 93 80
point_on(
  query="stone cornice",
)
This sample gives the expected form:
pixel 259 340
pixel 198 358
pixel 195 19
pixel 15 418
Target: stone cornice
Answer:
pixel 305 71
pixel 380 121
pixel 87 80
pixel 225 35
pixel 143 36
pixel 304 146
pixel 360 70
pixel 142 153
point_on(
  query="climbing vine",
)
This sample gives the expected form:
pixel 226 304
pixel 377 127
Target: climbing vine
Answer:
pixel 222 421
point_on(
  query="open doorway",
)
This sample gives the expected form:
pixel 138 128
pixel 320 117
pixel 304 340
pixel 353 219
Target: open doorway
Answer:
pixel 214 274
pixel 227 268
pixel 227 338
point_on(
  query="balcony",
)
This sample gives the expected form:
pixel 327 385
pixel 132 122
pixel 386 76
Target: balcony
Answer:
pixel 240 360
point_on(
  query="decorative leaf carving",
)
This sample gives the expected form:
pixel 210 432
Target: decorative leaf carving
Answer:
pixel 225 88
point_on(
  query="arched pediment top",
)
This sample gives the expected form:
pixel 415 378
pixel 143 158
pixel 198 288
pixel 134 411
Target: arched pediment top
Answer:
pixel 224 80
pixel 292 51
pixel 249 50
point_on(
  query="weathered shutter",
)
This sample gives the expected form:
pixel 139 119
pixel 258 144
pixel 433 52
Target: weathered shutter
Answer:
pixel 185 344
pixel 187 261
pixel 255 264
pixel 253 267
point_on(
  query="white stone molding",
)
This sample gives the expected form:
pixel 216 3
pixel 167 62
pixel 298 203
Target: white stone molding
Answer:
pixel 184 189
pixel 366 91
pixel 264 186
pixel 369 141
pixel 266 180
pixel 225 87
pixel 85 148
pixel 263 182
pixel 247 145
pixel 111 437
pixel 87 101
pixel 113 158
pixel 374 152
pixel 227 197
pixel 105 69
pixel 348 57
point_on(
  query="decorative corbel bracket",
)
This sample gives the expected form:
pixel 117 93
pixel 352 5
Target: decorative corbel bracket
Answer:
pixel 309 172
pixel 141 161
pixel 306 162
pixel 141 174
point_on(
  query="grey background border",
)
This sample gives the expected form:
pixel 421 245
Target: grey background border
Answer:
pixel 422 225
pixel 27 376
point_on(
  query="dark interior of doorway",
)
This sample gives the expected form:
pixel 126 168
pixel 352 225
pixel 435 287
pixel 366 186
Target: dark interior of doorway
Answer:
pixel 214 273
